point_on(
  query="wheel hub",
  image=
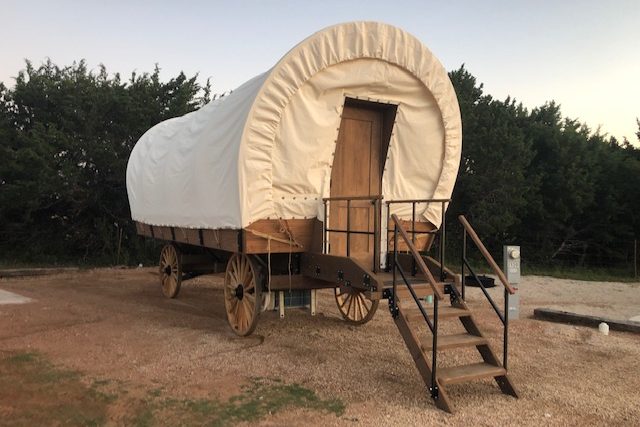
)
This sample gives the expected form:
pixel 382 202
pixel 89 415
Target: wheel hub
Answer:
pixel 239 291
pixel 167 270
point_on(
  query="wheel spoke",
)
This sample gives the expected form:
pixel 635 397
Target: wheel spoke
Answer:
pixel 234 270
pixel 363 305
pixel 236 314
pixel 346 300
pixel 233 279
pixel 356 308
pixel 247 314
pixel 245 271
pixel 248 309
pixel 239 269
pixel 250 297
pixel 350 303
pixel 367 304
pixel 249 285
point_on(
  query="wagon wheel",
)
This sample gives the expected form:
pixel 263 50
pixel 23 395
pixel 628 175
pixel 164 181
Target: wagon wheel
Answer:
pixel 242 294
pixel 170 271
pixel 354 306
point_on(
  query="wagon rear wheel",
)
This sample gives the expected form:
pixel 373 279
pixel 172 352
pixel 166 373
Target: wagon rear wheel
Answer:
pixel 170 271
pixel 354 306
pixel 242 294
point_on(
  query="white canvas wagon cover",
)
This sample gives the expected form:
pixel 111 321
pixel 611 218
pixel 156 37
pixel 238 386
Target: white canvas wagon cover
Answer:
pixel 266 150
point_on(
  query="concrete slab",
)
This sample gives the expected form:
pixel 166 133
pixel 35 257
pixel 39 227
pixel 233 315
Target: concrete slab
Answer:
pixel 7 297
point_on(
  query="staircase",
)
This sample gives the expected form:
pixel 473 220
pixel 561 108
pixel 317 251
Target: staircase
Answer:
pixel 414 305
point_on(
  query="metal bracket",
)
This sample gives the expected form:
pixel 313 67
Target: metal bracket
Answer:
pixel 340 275
pixel 434 392
pixel 393 308
pixel 453 297
pixel 366 281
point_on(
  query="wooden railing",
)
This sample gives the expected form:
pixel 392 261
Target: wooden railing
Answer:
pixel 417 257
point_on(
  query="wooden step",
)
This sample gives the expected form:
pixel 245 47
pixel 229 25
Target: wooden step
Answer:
pixel 422 290
pixel 412 313
pixel 452 341
pixel 475 371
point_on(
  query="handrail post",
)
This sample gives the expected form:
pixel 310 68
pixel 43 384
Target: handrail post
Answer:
pixel 505 343
pixel 324 229
pixel 395 266
pixel 376 235
pixel 434 351
pixel 386 233
pixel 442 244
pixel 348 227
pixel 464 258
pixel 414 269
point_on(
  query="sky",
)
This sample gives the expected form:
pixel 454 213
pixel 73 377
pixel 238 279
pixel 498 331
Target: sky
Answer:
pixel 584 54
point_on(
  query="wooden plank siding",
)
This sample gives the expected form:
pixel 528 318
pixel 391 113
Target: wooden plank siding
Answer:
pixel 292 235
pixel 263 236
pixel 423 242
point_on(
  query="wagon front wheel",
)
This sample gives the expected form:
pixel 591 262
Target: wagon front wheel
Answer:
pixel 170 271
pixel 242 294
pixel 354 306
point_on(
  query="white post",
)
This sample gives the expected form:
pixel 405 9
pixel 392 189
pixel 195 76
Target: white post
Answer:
pixel 313 301
pixel 281 303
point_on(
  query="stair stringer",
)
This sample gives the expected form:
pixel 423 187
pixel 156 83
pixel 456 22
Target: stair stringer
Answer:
pixel 485 350
pixel 422 362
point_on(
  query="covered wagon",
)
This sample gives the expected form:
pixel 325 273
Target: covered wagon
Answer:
pixel 333 169
pixel 309 158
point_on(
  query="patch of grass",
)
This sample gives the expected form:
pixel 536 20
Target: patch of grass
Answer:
pixel 260 398
pixel 144 418
pixel 22 358
pixel 32 389
pixel 156 392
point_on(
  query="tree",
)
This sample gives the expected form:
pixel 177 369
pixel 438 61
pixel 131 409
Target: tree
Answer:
pixel 65 153
pixel 492 187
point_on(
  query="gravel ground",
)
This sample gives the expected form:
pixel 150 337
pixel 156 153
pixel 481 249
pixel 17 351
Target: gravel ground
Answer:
pixel 114 323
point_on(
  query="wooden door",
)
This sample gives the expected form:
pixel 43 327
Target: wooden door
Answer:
pixel 357 171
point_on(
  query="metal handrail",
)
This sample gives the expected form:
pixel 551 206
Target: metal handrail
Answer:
pixel 433 326
pixel 375 201
pixel 419 201
pixel 440 231
pixel 485 253
pixel 508 290
pixel 346 198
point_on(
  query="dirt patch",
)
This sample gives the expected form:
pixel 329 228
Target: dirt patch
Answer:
pixel 160 356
